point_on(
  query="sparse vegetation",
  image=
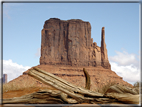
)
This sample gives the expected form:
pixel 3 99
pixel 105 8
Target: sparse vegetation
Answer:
pixel 104 88
pixel 137 84
pixel 13 86
pixel 32 83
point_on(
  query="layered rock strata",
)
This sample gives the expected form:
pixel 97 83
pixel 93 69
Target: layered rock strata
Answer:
pixel 70 43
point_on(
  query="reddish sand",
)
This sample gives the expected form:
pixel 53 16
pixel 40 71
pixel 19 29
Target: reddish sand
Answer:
pixel 19 93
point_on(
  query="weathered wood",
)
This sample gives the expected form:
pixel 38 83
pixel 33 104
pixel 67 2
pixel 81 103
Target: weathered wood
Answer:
pixel 57 97
pixel 73 91
pixel 52 97
pixel 123 93
pixel 44 97
pixel 126 98
pixel 122 89
pixel 87 76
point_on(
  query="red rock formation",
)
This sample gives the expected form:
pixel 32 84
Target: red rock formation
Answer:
pixel 104 57
pixel 70 43
pixel 4 78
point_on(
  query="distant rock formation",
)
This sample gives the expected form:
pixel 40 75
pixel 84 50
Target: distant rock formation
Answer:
pixel 70 43
pixel 4 78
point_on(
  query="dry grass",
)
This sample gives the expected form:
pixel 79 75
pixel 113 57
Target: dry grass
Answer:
pixel 23 84
pixel 13 86
pixel 104 88
pixel 137 84
pixel 138 87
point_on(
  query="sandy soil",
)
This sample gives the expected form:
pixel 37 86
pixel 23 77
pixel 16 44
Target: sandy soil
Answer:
pixel 19 93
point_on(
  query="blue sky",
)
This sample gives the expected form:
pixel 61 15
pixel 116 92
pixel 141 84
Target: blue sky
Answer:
pixel 23 22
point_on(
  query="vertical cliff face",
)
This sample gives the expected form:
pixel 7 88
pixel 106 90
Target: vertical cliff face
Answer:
pixel 70 43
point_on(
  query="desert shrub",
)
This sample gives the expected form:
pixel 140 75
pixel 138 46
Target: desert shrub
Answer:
pixel 8 87
pixel 136 84
pixel 104 88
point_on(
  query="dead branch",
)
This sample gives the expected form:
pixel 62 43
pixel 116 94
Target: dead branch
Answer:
pixel 87 77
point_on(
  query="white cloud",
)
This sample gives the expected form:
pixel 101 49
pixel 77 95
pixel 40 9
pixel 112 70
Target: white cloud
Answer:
pixel 126 65
pixel 129 73
pixel 13 70
pixel 124 58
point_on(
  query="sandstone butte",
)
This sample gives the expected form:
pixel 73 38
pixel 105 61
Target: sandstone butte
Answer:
pixel 67 48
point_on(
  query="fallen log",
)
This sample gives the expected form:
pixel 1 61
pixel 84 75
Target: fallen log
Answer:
pixel 126 98
pixel 78 93
pixel 41 97
pixel 52 97
pixel 124 94
pixel 122 89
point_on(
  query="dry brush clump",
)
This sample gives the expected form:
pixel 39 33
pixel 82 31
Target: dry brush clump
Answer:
pixel 104 88
pixel 138 86
pixel 12 86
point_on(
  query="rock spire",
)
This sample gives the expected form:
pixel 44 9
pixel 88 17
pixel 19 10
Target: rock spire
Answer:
pixel 104 56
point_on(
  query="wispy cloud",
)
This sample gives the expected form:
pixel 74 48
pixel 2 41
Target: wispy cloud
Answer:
pixel 13 70
pixel 126 65
pixel 6 9
pixel 37 54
